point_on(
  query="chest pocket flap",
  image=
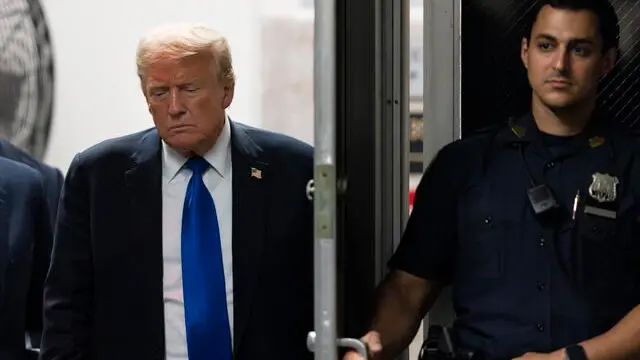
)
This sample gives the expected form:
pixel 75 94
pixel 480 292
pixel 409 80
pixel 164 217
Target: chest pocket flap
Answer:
pixel 486 219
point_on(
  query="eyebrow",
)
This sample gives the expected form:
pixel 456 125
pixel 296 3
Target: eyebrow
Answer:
pixel 160 85
pixel 157 87
pixel 579 41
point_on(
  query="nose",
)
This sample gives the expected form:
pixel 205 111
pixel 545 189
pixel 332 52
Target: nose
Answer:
pixel 561 61
pixel 176 107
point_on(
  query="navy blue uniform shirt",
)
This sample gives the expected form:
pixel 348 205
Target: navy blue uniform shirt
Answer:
pixel 520 285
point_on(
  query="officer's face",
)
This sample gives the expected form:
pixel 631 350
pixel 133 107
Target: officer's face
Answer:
pixel 564 58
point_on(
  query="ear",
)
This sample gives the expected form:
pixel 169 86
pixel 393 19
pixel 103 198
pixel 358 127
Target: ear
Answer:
pixel 609 61
pixel 229 90
pixel 524 52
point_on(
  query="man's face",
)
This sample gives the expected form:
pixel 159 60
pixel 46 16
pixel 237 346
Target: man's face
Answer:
pixel 564 58
pixel 187 101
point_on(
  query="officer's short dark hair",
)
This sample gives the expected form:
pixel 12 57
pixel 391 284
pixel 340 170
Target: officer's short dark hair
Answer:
pixel 607 18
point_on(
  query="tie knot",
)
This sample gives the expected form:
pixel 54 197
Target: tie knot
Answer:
pixel 198 165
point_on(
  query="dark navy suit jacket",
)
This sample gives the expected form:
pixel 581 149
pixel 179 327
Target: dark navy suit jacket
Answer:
pixel 52 177
pixel 25 245
pixel 104 293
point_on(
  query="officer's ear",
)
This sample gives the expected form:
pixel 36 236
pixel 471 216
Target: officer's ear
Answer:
pixel 609 59
pixel 524 52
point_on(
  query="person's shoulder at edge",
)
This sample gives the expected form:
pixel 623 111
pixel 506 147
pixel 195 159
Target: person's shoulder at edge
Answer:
pixel 15 173
pixel 629 137
pixel 13 152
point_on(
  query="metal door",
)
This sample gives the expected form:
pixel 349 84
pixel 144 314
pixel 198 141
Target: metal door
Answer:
pixel 361 185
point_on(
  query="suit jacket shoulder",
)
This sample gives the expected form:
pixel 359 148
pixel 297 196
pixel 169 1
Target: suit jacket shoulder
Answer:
pixel 12 152
pixel 111 154
pixel 123 146
pixel 18 177
pixel 51 176
pixel 278 145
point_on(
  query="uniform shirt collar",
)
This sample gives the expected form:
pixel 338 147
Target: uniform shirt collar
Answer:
pixel 219 156
pixel 524 129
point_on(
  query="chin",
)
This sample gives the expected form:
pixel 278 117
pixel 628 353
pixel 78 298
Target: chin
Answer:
pixel 183 142
pixel 558 102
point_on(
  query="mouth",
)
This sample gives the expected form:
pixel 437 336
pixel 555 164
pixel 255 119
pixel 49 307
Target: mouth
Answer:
pixel 180 127
pixel 559 83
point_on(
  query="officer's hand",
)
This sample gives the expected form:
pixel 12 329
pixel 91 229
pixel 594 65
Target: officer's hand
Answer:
pixel 373 343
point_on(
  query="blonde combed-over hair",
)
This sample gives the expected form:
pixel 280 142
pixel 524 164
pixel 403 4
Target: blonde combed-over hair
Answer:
pixel 180 40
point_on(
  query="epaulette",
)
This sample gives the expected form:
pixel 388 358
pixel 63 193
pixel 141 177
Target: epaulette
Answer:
pixel 626 133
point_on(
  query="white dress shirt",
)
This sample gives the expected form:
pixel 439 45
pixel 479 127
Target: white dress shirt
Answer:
pixel 174 187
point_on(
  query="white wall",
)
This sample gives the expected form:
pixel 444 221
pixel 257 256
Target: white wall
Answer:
pixel 97 93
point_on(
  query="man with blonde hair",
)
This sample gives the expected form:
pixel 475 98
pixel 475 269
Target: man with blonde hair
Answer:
pixel 192 240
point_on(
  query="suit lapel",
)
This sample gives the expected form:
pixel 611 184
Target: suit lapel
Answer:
pixel 144 190
pixel 250 178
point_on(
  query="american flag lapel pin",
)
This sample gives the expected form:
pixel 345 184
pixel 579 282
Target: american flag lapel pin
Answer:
pixel 256 173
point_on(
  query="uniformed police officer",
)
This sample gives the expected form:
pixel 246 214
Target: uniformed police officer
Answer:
pixel 534 224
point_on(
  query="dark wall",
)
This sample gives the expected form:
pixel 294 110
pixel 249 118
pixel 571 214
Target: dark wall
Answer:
pixel 494 84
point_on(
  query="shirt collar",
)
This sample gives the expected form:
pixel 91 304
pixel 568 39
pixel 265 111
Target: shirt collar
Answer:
pixel 523 130
pixel 219 156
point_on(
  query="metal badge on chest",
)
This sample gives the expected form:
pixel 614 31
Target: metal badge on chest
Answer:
pixel 603 189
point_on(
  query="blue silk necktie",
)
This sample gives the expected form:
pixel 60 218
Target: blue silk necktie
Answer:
pixel 205 299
